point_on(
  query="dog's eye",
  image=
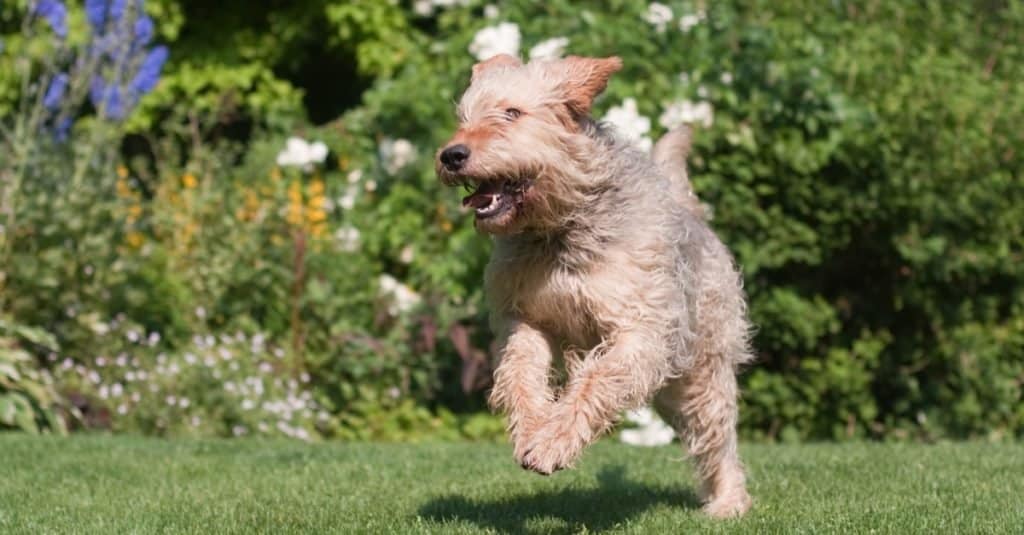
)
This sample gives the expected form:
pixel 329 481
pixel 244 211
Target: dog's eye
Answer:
pixel 512 113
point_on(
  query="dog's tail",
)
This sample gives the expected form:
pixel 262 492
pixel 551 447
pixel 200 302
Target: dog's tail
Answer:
pixel 670 155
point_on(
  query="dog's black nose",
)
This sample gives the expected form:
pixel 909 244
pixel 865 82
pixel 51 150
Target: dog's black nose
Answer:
pixel 454 157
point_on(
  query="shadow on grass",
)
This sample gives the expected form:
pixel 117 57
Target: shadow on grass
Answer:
pixel 613 501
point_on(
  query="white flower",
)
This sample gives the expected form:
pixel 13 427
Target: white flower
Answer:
pixel 396 154
pixel 423 8
pixel 200 312
pixel 153 339
pixel 122 360
pixel 550 49
pixel 265 367
pixel 400 297
pixel 190 358
pixel 493 40
pixel 687 22
pixel 651 431
pixel 658 15
pixel 116 390
pixel 248 404
pixel 407 254
pixel 195 421
pixel 348 200
pixel 491 11
pixel 122 409
pixel 239 430
pixel 684 111
pixel 629 124
pixel 103 392
pixel 348 238
pixel 184 403
pixel 101 362
pixel 171 400
pixel 300 153
pixel 726 78
pixel 370 185
pixel 354 176
pixel 132 336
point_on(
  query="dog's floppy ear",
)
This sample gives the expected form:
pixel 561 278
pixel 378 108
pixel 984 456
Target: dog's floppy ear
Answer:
pixel 501 60
pixel 585 79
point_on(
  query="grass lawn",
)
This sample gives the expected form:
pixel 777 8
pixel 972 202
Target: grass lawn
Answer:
pixel 94 484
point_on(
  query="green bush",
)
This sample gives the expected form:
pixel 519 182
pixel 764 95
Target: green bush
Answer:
pixel 862 162
pixel 28 401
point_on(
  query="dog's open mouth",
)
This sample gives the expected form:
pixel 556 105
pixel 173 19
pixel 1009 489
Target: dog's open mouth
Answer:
pixel 495 197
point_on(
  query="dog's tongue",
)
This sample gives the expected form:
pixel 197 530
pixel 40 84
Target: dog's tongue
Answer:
pixel 481 198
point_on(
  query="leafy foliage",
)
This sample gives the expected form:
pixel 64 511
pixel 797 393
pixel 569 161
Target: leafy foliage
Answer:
pixel 861 160
pixel 28 400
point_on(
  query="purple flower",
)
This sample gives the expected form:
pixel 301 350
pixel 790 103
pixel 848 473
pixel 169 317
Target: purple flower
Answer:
pixel 117 9
pixel 55 93
pixel 149 72
pixel 108 99
pixel 55 14
pixel 62 129
pixel 143 29
pixel 96 12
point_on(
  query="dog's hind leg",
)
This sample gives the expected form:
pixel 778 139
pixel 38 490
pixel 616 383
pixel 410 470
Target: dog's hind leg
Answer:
pixel 702 407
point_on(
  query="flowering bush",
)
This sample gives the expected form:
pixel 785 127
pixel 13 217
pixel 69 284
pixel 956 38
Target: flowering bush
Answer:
pixel 195 205
pixel 226 385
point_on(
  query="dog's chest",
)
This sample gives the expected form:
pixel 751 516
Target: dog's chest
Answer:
pixel 561 305
pixel 553 298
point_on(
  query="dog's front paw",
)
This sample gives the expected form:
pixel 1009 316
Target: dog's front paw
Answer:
pixel 549 451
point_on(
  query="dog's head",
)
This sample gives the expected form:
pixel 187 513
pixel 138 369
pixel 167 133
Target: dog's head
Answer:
pixel 519 131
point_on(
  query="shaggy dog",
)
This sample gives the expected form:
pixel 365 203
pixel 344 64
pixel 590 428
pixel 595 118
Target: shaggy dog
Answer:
pixel 603 269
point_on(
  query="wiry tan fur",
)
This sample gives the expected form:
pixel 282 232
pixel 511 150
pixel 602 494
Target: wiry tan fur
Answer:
pixel 606 269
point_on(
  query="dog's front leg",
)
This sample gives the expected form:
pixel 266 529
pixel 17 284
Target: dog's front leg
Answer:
pixel 617 375
pixel 521 381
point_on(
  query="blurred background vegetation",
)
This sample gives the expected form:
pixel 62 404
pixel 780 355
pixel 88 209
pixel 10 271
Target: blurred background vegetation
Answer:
pixel 256 243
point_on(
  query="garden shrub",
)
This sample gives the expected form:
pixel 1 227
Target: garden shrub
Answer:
pixel 862 161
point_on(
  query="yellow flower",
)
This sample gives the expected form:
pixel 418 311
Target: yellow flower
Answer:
pixel 316 216
pixel 123 189
pixel 294 216
pixel 446 226
pixel 122 171
pixel 316 187
pixel 295 192
pixel 134 211
pixel 318 230
pixel 250 210
pixel 134 239
pixel 189 180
